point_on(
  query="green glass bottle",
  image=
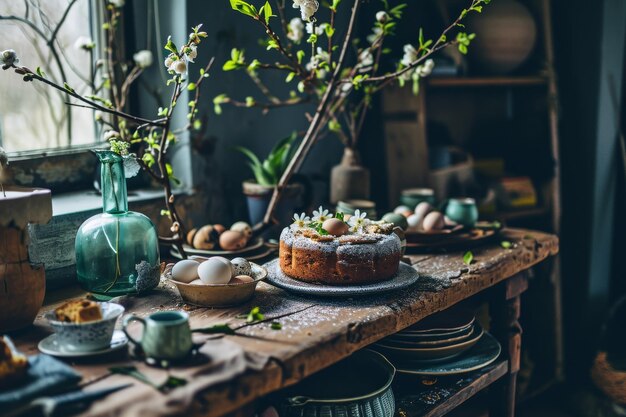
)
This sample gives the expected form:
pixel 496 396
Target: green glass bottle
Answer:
pixel 117 251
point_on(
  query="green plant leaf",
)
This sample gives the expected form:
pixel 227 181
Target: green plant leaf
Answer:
pixel 468 258
pixel 267 12
pixel 276 325
pixel 506 244
pixel 245 8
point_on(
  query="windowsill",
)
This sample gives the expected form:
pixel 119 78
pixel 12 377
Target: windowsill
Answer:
pixel 81 201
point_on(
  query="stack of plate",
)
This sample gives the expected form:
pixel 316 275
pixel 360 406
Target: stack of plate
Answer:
pixel 440 343
pixel 449 342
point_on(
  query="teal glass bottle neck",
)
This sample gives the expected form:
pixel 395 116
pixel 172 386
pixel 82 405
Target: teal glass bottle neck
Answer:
pixel 113 185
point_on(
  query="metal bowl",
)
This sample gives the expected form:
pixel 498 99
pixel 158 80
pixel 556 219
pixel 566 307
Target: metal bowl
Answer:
pixel 358 386
pixel 218 295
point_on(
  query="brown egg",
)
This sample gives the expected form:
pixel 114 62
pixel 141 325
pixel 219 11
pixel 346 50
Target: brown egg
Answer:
pixel 433 221
pixel 335 227
pixel 241 279
pixel 190 235
pixel 219 228
pixel 231 240
pixel 205 238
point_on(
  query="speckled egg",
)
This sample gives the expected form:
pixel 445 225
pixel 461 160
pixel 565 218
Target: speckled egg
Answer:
pixel 231 240
pixel 397 219
pixel 185 271
pixel 413 220
pixel 214 271
pixel 241 266
pixel 433 221
pixel 227 262
pixel 241 279
pixel 422 209
pixel 335 227
pixel 242 227
pixel 401 209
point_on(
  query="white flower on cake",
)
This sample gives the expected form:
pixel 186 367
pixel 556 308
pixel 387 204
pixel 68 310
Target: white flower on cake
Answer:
pixel 301 220
pixel 320 215
pixel 358 221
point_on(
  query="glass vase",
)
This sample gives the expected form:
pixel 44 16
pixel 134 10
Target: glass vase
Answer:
pixel 117 251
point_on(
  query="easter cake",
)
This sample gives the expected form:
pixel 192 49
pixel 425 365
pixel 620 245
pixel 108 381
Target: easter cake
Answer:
pixel 339 251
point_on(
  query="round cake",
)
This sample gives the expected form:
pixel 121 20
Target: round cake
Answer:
pixel 365 254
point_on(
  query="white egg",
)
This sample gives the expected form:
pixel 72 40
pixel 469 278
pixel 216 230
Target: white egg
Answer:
pixel 227 262
pixel 401 209
pixel 214 271
pixel 413 220
pixel 197 282
pixel 433 221
pixel 185 270
pixel 422 209
pixel 241 266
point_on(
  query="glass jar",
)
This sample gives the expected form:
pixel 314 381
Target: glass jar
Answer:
pixel 117 251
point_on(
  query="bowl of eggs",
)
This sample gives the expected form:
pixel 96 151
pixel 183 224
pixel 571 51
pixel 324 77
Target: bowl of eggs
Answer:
pixel 215 281
pixel 425 222
pixel 216 239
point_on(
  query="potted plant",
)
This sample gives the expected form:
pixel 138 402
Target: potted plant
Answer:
pixel 267 173
pixel 309 52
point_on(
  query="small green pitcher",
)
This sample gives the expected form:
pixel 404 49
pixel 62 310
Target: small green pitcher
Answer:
pixel 462 211
pixel 166 334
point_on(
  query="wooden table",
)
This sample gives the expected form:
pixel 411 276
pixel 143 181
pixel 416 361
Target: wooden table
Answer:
pixel 317 333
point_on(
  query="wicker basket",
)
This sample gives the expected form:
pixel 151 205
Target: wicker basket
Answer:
pixel 609 380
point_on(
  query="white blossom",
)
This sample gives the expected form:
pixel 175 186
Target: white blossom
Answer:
pixel 410 55
pixel 307 8
pixel 169 61
pixel 301 220
pixel 117 3
pixel 192 53
pixel 366 59
pixel 319 29
pixel 85 43
pixel 320 215
pixel 295 29
pixel 382 16
pixel 358 221
pixel 426 69
pixel 8 58
pixel 143 58
pixel 375 35
pixel 179 66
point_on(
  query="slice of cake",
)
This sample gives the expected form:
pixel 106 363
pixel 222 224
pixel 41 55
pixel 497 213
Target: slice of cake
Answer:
pixel 328 249
pixel 13 364
pixel 79 311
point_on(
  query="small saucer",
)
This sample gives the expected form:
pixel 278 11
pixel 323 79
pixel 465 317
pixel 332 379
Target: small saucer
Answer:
pixel 50 346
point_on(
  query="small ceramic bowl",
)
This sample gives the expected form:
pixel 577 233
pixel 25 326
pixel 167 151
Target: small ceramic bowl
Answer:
pixel 218 295
pixel 90 336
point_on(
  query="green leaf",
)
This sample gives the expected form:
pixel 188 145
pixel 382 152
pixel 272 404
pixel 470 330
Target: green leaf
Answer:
pixel 339 215
pixel 312 38
pixel 290 77
pixel 216 329
pixel 162 111
pixel 300 54
pixel 276 325
pixel 468 258
pixel 148 159
pixel 40 72
pixel 506 244
pixel 254 315
pixel 244 8
pixel 68 88
pixel 165 212
pixel 266 10
pixel 171 46
pixel 191 86
pixel 169 170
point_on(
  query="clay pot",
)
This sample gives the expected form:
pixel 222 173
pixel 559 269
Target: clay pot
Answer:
pixel 22 284
pixel 349 180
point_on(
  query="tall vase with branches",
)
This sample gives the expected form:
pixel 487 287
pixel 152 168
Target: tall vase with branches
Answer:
pixel 143 142
pixel 306 49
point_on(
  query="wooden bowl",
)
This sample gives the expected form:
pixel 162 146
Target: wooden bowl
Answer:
pixel 219 295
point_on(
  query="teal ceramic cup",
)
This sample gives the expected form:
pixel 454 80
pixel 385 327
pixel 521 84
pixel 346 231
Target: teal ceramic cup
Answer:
pixel 166 334
pixel 462 211
pixel 413 196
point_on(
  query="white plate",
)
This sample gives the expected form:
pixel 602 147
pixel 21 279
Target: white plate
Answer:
pixel 50 346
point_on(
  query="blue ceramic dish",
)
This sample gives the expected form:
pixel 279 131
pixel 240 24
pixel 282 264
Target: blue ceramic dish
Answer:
pixel 90 336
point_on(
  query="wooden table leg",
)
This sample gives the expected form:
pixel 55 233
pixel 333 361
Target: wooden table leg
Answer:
pixel 505 313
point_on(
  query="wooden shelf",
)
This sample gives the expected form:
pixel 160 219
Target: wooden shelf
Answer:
pixel 446 394
pixel 534 80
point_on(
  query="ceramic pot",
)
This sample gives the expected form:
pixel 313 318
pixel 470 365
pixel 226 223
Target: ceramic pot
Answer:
pixel 462 211
pixel 349 180
pixel 296 198
pixel 358 386
pixel 22 284
pixel 505 36
pixel 166 334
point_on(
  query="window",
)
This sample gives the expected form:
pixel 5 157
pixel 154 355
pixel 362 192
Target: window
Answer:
pixel 32 116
